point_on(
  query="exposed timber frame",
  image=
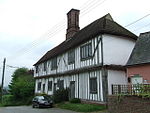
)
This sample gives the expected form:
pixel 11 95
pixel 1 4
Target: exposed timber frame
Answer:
pixel 85 69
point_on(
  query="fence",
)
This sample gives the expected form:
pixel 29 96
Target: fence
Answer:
pixel 133 89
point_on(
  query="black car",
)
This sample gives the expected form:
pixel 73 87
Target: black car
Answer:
pixel 42 101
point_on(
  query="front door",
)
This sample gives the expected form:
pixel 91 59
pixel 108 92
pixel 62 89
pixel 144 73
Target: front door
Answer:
pixel 43 88
pixel 54 87
pixel 72 89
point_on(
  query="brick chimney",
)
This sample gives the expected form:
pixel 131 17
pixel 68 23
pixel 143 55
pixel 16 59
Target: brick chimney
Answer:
pixel 73 23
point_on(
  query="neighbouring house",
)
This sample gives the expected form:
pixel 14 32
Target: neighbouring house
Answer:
pixel 138 66
pixel 88 61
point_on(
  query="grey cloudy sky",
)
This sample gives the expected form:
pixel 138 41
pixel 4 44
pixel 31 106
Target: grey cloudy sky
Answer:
pixel 27 32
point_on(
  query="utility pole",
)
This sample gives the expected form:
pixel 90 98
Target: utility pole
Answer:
pixel 3 79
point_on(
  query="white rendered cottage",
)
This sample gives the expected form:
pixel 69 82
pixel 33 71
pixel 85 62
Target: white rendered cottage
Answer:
pixel 89 61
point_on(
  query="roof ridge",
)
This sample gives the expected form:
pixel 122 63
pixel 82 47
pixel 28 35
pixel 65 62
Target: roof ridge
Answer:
pixel 107 16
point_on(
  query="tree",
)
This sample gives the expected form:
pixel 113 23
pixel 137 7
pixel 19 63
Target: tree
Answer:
pixel 22 84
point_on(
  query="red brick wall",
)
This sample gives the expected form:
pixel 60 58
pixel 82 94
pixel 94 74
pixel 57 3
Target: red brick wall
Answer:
pixel 128 105
pixel 143 70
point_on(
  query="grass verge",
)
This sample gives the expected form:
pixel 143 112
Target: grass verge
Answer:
pixel 81 107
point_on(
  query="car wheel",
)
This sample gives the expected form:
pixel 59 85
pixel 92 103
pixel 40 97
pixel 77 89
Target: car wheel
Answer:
pixel 51 105
pixel 38 106
pixel 33 106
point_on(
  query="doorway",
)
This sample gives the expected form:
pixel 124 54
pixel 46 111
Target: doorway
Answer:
pixel 43 88
pixel 72 89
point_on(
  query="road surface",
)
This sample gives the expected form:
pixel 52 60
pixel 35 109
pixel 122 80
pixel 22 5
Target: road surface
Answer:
pixel 29 109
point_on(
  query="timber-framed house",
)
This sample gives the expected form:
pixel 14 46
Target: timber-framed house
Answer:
pixel 89 61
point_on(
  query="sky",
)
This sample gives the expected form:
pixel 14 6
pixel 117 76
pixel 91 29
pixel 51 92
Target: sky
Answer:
pixel 29 28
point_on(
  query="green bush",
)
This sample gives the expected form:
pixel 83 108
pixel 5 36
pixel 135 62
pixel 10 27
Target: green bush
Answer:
pixel 28 101
pixel 41 94
pixel 8 99
pixel 61 95
pixel 75 100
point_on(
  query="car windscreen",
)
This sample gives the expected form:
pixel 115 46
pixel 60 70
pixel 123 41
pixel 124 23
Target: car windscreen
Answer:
pixel 43 98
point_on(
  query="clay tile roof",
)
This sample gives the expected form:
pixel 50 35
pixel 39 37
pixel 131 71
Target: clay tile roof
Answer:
pixel 141 51
pixel 104 25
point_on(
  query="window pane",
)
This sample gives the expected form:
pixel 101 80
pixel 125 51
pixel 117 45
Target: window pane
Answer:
pixel 81 52
pixel 54 63
pixel 45 65
pixel 60 84
pixel 49 85
pixel 71 56
pixel 86 51
pixel 90 50
pixel 39 86
pixel 93 85
pixel 36 69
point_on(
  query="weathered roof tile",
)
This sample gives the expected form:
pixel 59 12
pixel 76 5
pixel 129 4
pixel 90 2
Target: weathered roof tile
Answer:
pixel 141 51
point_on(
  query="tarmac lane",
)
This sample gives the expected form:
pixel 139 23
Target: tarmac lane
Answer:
pixel 29 109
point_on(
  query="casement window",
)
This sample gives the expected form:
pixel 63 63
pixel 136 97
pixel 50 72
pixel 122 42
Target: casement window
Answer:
pixel 60 84
pixel 93 85
pixel 49 85
pixel 39 86
pixel 36 69
pixel 45 66
pixel 54 63
pixel 137 79
pixel 86 51
pixel 71 56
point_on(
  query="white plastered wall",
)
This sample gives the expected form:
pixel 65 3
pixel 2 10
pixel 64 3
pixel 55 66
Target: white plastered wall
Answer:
pixel 117 49
pixel 116 77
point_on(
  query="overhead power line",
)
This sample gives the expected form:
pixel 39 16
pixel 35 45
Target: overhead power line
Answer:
pixel 86 8
pixel 92 6
pixel 41 39
pixel 55 29
pixel 136 20
pixel 141 27
pixel 11 66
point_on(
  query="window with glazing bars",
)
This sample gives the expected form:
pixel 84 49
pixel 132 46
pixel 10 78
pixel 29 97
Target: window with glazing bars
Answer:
pixel 86 51
pixel 93 85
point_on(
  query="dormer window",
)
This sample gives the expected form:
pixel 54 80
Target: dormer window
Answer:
pixel 71 56
pixel 54 63
pixel 86 51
